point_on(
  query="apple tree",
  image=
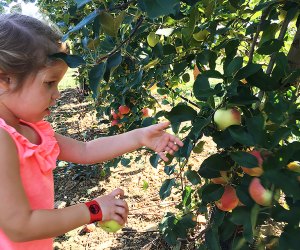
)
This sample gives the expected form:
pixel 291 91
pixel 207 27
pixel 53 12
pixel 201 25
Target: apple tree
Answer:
pixel 226 70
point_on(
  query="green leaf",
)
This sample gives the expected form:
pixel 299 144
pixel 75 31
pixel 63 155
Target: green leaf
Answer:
pixel 73 61
pixel 111 24
pixel 156 8
pixel 255 125
pixel 181 113
pixel 202 89
pixel 212 240
pixel 125 161
pixel 86 20
pixel 269 47
pixel 201 35
pixel 154 160
pixel 289 238
pixel 199 147
pixel 240 135
pixel 184 224
pixel 95 76
pixel 212 192
pixel 216 162
pixel 169 169
pixel 234 66
pixel 186 196
pixel 244 159
pixel 247 71
pixel 187 148
pixel 193 177
pixel 243 216
pixel 166 188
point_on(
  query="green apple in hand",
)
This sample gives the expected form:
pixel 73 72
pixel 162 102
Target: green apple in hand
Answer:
pixel 110 226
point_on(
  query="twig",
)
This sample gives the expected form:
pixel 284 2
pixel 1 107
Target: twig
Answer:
pixel 273 56
pixel 182 97
pixel 262 19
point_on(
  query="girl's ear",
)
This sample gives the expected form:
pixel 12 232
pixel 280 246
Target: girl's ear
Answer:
pixel 4 81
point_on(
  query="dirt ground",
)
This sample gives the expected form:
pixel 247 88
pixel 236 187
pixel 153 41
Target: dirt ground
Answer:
pixel 75 117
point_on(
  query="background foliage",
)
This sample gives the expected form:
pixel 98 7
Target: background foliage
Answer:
pixel 185 60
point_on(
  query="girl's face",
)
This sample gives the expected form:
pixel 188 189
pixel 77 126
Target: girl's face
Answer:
pixel 32 101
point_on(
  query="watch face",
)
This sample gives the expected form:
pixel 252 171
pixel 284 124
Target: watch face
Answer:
pixel 94 208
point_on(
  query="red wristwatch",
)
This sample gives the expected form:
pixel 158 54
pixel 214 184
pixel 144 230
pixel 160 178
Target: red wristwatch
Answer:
pixel 95 211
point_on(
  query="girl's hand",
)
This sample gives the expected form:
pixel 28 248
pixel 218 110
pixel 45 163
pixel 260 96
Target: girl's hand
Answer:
pixel 155 138
pixel 114 208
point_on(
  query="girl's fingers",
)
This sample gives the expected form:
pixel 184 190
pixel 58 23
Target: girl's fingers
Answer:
pixel 163 156
pixel 121 211
pixel 117 192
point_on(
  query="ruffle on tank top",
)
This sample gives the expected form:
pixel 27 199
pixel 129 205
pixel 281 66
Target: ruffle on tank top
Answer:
pixel 46 152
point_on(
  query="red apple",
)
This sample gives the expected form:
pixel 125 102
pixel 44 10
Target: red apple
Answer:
pixel 146 112
pixel 259 194
pixel 123 109
pixel 114 122
pixel 223 179
pixel 226 117
pixel 257 171
pixel 229 200
pixel 114 115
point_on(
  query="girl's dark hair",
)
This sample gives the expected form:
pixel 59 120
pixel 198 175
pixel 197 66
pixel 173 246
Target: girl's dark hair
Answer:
pixel 26 44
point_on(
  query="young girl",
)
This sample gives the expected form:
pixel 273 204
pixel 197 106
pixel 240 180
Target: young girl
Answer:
pixel 29 147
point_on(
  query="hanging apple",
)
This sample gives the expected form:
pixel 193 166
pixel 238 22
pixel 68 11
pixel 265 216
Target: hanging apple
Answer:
pixel 226 117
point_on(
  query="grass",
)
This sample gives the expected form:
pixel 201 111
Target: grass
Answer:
pixel 68 81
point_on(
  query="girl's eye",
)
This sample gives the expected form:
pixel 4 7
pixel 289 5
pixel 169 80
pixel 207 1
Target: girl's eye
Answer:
pixel 50 83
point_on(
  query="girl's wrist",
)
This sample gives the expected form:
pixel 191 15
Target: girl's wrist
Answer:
pixel 95 211
pixel 139 135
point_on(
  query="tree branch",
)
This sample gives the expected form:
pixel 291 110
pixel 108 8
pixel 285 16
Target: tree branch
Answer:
pixel 281 35
pixel 182 97
pixel 262 19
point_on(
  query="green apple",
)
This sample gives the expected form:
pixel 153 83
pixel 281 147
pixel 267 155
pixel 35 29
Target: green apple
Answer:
pixel 152 39
pixel 110 226
pixel 226 117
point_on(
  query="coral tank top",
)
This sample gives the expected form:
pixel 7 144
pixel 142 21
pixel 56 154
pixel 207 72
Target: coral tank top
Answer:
pixel 36 165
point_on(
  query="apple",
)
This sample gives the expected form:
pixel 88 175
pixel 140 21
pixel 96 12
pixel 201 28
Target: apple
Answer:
pixel 259 194
pixel 146 112
pixel 226 117
pixel 229 199
pixel 196 72
pixel 152 39
pixel 114 122
pixel 110 226
pixel 256 171
pixel 223 179
pixel 294 166
pixel 114 115
pixel 123 109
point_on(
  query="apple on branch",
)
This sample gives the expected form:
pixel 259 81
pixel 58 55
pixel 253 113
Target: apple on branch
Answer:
pixel 114 115
pixel 146 112
pixel 256 171
pixel 226 117
pixel 110 226
pixel 229 199
pixel 123 109
pixel 259 194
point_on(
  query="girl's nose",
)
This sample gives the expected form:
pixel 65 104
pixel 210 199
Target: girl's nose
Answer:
pixel 56 94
